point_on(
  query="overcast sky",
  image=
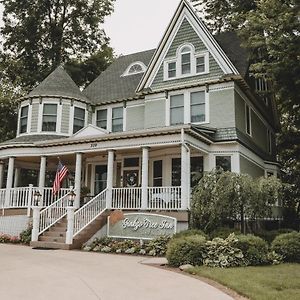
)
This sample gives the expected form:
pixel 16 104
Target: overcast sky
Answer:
pixel 138 25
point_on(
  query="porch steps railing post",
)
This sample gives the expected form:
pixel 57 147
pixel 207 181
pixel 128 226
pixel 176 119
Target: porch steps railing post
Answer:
pixel 35 224
pixel 70 225
pixel 110 167
pixel 30 195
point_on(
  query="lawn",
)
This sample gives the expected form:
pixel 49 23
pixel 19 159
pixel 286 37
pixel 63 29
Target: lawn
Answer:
pixel 258 283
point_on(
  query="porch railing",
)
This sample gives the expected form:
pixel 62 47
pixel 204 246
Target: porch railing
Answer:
pixel 164 198
pixel 53 213
pixel 2 197
pixel 89 212
pixel 126 198
pixel 48 197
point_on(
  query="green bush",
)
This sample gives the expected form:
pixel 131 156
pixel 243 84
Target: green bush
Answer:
pixel 223 253
pixel 255 249
pixel 188 232
pixel 158 246
pixel 223 232
pixel 288 245
pixel 25 236
pixel 186 250
pixel 270 235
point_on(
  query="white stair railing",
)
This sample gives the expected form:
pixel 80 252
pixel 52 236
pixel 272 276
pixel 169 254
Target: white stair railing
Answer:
pixel 53 213
pixel 89 212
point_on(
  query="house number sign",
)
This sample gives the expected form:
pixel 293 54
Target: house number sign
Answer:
pixel 142 226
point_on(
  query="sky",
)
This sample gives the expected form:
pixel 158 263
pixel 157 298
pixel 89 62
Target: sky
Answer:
pixel 137 25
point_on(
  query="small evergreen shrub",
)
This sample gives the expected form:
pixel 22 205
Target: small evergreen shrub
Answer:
pixel 223 253
pixel 255 249
pixel 223 232
pixel 158 246
pixel 186 250
pixel 288 245
pixel 188 232
pixel 25 236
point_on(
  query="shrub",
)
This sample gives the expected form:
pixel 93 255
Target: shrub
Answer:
pixel 288 245
pixel 188 232
pixel 6 238
pixel 222 253
pixel 186 250
pixel 25 236
pixel 158 246
pixel 255 249
pixel 270 235
pixel 223 232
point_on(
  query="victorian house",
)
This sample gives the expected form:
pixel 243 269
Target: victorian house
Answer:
pixel 135 136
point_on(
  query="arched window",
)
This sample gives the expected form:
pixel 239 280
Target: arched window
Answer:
pixel 186 53
pixel 135 68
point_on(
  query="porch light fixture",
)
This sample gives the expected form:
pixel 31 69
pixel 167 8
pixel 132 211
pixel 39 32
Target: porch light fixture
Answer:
pixel 37 196
pixel 72 197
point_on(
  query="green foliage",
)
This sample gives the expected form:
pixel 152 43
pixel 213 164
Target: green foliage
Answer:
pixel 223 253
pixel 158 246
pixel 25 236
pixel 186 250
pixel 254 248
pixel 6 238
pixel 40 35
pixel 223 232
pixel 270 235
pixel 288 245
pixel 188 232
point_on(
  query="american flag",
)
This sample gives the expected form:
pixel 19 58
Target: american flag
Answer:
pixel 61 173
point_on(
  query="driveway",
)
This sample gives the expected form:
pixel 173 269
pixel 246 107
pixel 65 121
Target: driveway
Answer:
pixel 55 274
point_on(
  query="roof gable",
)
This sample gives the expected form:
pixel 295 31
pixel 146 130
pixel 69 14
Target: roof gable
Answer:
pixel 58 83
pixel 185 12
pixel 89 130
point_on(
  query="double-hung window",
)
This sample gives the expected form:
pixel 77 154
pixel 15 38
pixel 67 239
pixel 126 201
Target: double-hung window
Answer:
pixel 102 118
pixel 200 64
pixel 157 172
pixel 24 119
pixel 198 107
pixel 186 60
pixel 49 117
pixel 79 119
pixel 117 119
pixel 177 109
pixel 171 69
pixel 224 163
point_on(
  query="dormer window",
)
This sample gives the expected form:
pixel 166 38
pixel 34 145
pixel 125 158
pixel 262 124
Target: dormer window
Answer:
pixel 186 63
pixel 135 68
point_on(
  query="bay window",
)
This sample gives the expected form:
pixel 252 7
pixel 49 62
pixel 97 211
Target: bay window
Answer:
pixel 24 119
pixel 102 118
pixel 49 117
pixel 79 119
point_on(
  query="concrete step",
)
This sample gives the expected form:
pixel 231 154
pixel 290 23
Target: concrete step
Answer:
pixel 52 239
pixel 50 245
pixel 55 233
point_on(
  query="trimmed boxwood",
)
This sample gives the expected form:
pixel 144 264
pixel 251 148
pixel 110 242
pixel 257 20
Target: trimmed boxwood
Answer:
pixel 254 248
pixel 186 250
pixel 288 245
pixel 223 232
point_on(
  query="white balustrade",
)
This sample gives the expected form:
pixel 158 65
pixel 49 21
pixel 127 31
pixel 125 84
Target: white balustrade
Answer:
pixel 89 212
pixel 126 198
pixel 53 213
pixel 20 197
pixel 164 198
pixel 48 197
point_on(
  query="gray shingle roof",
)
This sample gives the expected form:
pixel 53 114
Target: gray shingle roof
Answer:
pixel 31 139
pixel 58 83
pixel 110 85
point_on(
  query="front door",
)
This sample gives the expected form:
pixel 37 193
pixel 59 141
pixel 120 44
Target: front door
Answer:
pixel 100 178
pixel 130 178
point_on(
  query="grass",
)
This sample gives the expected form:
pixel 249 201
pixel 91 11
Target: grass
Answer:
pixel 258 283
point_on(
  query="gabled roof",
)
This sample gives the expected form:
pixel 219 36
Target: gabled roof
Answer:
pixel 58 83
pixel 111 85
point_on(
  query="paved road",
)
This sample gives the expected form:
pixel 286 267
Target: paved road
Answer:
pixel 56 274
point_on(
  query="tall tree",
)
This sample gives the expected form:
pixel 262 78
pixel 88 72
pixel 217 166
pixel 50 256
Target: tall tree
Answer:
pixel 39 35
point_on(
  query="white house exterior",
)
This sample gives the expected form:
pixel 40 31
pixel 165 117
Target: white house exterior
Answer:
pixel 137 133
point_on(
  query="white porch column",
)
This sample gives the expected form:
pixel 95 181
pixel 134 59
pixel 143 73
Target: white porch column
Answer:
pixel 145 172
pixel 1 173
pixel 110 176
pixel 185 176
pixel 17 176
pixel 42 173
pixel 9 180
pixel 209 162
pixel 78 179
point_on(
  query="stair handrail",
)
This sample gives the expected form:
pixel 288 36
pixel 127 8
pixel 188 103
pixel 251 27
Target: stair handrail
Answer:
pixel 89 212
pixel 53 213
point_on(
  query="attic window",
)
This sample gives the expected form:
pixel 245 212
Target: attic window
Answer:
pixel 135 68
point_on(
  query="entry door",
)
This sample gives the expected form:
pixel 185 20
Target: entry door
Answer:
pixel 100 178
pixel 131 178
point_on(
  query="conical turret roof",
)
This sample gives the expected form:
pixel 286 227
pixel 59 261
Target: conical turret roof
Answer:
pixel 58 83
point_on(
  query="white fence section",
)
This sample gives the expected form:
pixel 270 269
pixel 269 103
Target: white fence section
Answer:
pixel 164 198
pixel 126 198
pixel 53 213
pixel 89 212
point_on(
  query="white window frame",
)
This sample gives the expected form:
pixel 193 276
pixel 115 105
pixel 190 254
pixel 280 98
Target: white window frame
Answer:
pixel 187 106
pixel 85 117
pixel 58 117
pixel 178 60
pixel 141 64
pixel 250 120
pixel 96 117
pixel 72 114
pixel 29 114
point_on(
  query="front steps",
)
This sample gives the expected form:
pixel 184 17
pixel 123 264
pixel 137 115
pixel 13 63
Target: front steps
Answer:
pixel 55 237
